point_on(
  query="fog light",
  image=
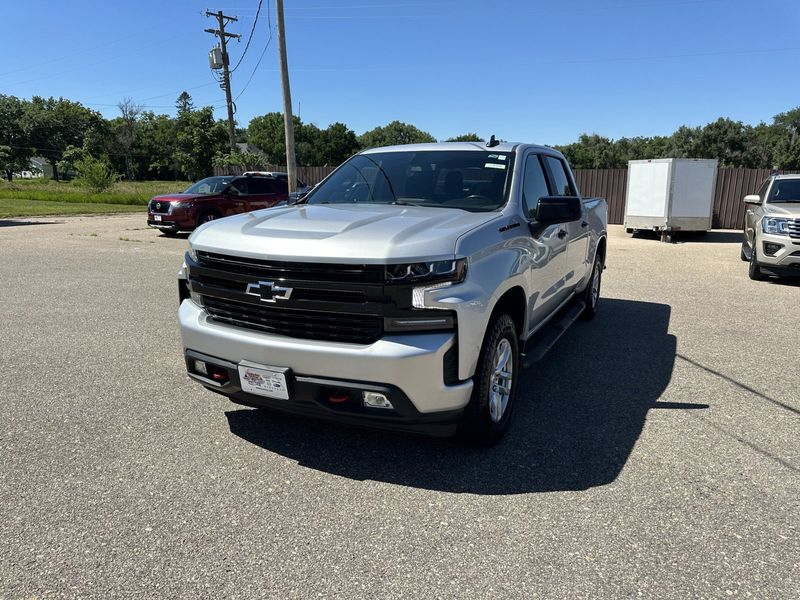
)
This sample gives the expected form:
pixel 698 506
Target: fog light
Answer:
pixel 771 249
pixel 200 367
pixel 376 400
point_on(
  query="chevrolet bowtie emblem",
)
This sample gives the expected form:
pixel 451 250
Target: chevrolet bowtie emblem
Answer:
pixel 267 291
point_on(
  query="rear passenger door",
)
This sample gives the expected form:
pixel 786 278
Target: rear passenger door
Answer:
pixel 577 262
pixel 262 193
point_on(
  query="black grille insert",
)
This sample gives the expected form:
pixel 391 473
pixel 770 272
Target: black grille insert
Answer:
pixel 317 325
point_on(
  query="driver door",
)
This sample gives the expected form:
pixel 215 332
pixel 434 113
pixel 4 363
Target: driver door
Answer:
pixel 547 247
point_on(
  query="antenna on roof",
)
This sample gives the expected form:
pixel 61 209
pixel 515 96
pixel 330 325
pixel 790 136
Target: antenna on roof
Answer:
pixel 492 142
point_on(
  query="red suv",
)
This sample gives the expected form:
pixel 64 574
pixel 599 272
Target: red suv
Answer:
pixel 213 198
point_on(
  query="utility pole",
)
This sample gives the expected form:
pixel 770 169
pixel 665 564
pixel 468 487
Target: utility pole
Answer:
pixel 223 36
pixel 291 168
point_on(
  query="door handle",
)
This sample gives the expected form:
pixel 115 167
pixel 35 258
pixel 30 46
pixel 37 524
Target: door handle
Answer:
pixel 584 223
pixel 562 233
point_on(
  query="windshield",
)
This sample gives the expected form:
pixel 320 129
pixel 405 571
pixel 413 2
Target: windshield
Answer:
pixel 464 179
pixel 785 190
pixel 209 185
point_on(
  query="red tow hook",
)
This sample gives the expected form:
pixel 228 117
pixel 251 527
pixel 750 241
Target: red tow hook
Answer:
pixel 337 398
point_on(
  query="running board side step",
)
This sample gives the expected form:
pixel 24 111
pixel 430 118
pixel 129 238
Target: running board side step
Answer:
pixel 541 343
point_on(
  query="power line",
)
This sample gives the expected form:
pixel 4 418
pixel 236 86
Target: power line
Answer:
pixel 249 38
pixel 263 52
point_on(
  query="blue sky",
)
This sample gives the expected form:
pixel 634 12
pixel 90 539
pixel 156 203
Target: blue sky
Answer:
pixel 536 71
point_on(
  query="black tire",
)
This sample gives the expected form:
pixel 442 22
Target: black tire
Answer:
pixel 478 425
pixel 207 216
pixel 743 254
pixel 753 270
pixel 591 295
pixel 630 231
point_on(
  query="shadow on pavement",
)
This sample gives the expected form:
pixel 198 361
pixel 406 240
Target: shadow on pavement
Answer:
pixel 579 414
pixel 18 223
pixel 695 237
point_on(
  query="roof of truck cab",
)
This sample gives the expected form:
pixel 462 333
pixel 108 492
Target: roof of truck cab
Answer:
pixel 787 176
pixel 474 146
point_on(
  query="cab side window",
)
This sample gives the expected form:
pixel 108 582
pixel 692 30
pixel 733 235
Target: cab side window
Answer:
pixel 534 185
pixel 561 182
pixel 260 186
pixel 240 185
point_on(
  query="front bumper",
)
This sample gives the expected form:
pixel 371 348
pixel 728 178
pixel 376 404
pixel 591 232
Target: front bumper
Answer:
pixel 783 262
pixel 310 396
pixel 413 364
pixel 172 222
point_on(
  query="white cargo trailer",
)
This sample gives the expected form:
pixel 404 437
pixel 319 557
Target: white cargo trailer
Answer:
pixel 670 194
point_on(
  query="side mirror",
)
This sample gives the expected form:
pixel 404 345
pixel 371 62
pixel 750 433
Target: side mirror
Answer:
pixel 558 209
pixel 752 199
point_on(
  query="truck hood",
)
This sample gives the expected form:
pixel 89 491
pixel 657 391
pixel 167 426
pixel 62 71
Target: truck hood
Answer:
pixel 783 209
pixel 341 233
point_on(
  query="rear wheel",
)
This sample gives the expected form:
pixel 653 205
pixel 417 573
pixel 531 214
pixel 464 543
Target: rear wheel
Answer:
pixel 495 385
pixel 592 294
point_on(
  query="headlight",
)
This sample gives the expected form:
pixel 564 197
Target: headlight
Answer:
pixel 192 253
pixel 775 226
pixel 182 204
pixel 449 271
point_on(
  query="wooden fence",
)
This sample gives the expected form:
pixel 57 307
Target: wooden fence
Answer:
pixel 308 175
pixel 732 186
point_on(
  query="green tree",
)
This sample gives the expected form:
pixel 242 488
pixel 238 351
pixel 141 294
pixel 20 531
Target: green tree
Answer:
pixel 56 124
pixel 199 137
pixel 14 136
pixel 94 174
pixel 184 104
pixel 786 139
pixel 466 137
pixel 337 143
pixel 126 130
pixel 394 134
pixel 267 132
pixel 69 159
pixel 155 151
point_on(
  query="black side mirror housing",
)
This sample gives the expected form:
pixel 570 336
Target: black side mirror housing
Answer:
pixel 558 209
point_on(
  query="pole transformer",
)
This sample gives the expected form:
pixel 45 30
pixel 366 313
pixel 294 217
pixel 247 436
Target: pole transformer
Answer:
pixel 223 36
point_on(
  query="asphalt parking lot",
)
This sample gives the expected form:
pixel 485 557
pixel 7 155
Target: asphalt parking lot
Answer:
pixel 655 450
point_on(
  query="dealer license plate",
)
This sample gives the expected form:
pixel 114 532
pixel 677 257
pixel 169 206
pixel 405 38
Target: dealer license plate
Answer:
pixel 263 380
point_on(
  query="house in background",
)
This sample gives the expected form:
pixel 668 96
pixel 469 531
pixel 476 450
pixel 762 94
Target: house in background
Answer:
pixel 39 167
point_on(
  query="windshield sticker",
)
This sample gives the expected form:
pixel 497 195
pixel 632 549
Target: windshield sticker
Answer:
pixel 493 166
pixel 502 157
pixel 493 156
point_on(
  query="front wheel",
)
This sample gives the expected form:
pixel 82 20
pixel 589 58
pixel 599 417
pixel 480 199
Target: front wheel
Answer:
pixel 207 217
pixel 488 413
pixel 753 270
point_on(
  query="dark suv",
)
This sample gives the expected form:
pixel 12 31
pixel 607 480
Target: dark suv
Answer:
pixel 213 198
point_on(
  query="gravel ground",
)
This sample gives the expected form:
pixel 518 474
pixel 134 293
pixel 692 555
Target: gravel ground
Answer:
pixel 655 450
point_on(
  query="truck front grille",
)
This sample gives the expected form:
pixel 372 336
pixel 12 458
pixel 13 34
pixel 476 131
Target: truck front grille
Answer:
pixel 337 303
pixel 794 229
pixel 314 325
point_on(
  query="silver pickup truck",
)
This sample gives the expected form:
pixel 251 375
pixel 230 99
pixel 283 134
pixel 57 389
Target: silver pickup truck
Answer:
pixel 407 291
